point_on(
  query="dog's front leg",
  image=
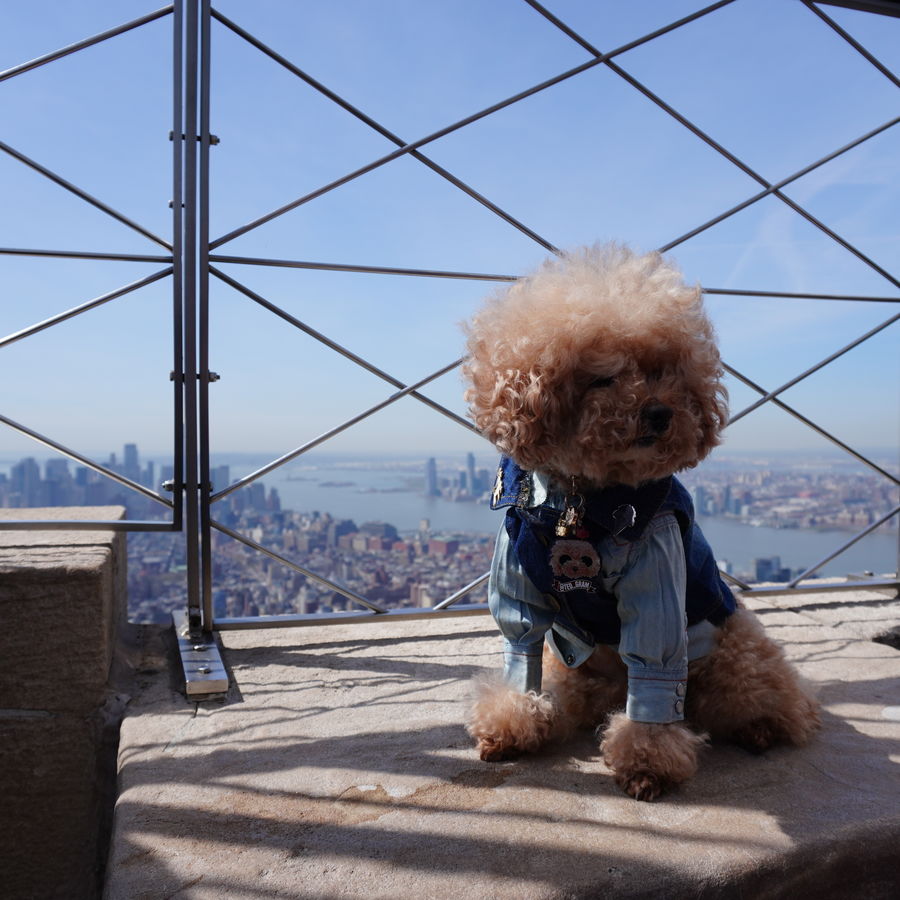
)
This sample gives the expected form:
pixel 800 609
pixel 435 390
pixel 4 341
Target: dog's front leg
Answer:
pixel 505 722
pixel 648 758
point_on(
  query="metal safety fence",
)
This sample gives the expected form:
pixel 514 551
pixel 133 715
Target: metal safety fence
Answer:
pixel 193 257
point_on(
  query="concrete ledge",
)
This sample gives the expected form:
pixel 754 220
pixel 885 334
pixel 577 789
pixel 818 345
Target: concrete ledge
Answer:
pixel 60 593
pixel 339 767
pixel 62 597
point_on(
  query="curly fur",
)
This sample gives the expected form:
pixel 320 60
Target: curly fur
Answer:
pixel 601 312
pixel 648 759
pixel 585 696
pixel 505 723
pixel 602 365
pixel 747 692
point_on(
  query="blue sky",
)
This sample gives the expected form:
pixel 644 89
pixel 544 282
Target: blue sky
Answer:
pixel 588 159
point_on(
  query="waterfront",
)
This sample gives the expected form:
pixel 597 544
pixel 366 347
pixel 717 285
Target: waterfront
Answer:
pixel 411 531
pixel 392 491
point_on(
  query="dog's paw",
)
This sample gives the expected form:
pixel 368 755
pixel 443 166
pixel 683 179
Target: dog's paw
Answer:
pixel 506 723
pixel 642 785
pixel 757 736
pixel 492 749
pixel 648 759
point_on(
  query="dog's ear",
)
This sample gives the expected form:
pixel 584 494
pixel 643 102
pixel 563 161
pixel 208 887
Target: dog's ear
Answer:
pixel 514 409
pixel 701 369
pixel 714 418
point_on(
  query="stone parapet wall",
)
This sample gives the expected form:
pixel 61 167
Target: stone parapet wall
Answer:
pixel 62 601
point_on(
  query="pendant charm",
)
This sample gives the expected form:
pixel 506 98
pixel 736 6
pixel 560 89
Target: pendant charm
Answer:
pixel 570 520
pixel 498 488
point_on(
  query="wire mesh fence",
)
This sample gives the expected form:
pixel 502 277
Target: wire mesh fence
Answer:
pixel 443 150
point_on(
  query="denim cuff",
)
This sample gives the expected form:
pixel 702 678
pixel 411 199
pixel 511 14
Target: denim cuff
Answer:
pixel 656 695
pixel 522 666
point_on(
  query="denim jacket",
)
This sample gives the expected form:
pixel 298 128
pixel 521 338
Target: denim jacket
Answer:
pixel 637 574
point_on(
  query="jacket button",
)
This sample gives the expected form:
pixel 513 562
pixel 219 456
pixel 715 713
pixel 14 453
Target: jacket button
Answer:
pixel 680 689
pixel 679 706
pixel 570 660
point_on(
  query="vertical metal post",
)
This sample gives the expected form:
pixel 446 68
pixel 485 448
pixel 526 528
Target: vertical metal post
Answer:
pixel 204 672
pixel 205 376
pixel 177 265
pixel 192 534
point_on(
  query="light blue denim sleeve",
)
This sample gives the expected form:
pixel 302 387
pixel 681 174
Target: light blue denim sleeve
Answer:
pixel 523 615
pixel 651 605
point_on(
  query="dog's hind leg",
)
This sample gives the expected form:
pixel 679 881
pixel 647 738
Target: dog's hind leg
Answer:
pixel 747 692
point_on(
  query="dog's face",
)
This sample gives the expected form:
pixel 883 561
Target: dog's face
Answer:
pixel 601 365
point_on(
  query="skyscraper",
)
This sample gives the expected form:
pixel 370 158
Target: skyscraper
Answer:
pixel 131 467
pixel 431 480
pixel 471 480
pixel 221 477
pixel 25 482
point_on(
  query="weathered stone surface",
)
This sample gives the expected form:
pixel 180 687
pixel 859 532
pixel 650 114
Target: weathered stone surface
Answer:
pixel 62 597
pixel 339 767
pixel 51 804
pixel 51 537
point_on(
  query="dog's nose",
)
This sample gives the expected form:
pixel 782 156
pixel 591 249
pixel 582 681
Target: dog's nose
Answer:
pixel 656 416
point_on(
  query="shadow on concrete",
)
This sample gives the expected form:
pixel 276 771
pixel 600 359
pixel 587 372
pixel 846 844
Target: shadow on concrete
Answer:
pixel 346 771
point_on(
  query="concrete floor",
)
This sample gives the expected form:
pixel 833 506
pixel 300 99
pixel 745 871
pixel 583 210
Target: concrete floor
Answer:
pixel 338 766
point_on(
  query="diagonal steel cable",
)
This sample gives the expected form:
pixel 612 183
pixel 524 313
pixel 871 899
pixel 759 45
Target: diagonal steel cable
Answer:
pixel 711 142
pixel 853 42
pixel 86 42
pixel 776 187
pixel 85 254
pixel 734 580
pixel 77 457
pixel 338 429
pixel 468 120
pixel 382 130
pixel 858 537
pixel 345 592
pixel 820 365
pixel 83 195
pixel 340 267
pixel 346 267
pixel 771 189
pixel 737 292
pixel 84 307
pixel 458 595
pixel 333 345
pixel 810 424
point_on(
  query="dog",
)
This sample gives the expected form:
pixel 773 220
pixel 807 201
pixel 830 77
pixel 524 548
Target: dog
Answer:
pixel 597 377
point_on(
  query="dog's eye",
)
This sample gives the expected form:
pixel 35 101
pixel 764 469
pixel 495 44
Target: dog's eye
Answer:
pixel 602 381
pixel 565 558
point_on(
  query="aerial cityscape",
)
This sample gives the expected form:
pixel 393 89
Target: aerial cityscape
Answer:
pixel 401 566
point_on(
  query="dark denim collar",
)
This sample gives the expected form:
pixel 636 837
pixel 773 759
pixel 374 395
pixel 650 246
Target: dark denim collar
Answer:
pixel 514 486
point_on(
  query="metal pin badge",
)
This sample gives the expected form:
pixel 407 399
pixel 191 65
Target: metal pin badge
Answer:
pixel 624 516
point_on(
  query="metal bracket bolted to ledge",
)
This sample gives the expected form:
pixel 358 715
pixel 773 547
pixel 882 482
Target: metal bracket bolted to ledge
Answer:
pixel 204 671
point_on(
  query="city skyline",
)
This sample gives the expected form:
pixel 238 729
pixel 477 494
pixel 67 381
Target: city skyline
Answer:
pixel 587 159
pixel 339 518
pixel 814 494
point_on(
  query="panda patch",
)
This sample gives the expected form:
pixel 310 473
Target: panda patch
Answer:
pixel 575 564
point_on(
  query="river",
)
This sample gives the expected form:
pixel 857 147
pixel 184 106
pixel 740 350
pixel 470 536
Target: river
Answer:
pixel 395 495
